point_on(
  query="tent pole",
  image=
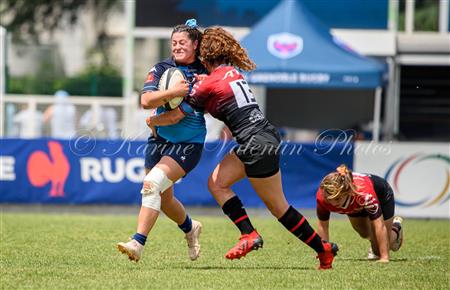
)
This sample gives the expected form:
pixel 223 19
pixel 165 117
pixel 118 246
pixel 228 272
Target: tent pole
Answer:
pixel 443 16
pixel 2 79
pixel 393 15
pixel 128 70
pixel 390 107
pixel 409 16
pixel 376 115
pixel 397 80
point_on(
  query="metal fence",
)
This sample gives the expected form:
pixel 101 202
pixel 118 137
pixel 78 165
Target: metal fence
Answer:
pixel 32 116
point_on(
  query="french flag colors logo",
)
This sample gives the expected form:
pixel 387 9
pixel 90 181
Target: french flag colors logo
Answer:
pixel 284 45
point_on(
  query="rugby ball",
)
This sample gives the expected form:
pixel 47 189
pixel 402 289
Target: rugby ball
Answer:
pixel 169 78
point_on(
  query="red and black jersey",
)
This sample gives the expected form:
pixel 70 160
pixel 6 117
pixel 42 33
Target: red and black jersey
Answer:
pixel 366 201
pixel 226 96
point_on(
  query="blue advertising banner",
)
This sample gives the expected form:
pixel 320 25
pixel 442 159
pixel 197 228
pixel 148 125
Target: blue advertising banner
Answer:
pixel 71 172
pixel 88 171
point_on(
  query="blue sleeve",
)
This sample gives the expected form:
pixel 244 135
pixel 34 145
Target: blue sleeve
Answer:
pixel 153 77
pixel 186 108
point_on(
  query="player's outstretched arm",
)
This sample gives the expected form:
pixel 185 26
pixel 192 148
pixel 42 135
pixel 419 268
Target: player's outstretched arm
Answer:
pixel 323 229
pixel 381 236
pixel 323 216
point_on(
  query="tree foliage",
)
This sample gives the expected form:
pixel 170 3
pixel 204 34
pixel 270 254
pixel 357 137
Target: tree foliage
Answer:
pixel 426 15
pixel 29 18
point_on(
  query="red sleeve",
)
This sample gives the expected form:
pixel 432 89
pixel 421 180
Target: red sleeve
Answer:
pixel 322 212
pixel 199 94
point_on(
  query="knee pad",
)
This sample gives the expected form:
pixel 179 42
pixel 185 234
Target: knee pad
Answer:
pixel 155 182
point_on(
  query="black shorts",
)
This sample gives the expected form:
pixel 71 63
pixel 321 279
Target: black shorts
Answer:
pixel 260 154
pixel 385 196
pixel 187 155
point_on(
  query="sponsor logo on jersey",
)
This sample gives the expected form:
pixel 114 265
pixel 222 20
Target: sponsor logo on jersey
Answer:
pixel 368 202
pixel 256 116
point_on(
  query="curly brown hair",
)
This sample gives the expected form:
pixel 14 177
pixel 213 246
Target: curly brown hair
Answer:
pixel 219 46
pixel 338 183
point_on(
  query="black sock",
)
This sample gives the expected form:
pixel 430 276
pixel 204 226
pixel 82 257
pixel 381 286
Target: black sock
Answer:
pixel 297 224
pixel 234 209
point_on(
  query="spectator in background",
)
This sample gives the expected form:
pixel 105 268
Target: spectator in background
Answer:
pixel 109 118
pixel 139 124
pixel 61 116
pixel 10 128
pixel 103 121
pixel 140 127
pixel 27 123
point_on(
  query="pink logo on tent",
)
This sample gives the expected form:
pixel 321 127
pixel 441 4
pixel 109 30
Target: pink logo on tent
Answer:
pixel 284 45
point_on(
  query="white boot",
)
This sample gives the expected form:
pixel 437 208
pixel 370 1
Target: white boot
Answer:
pixel 132 248
pixel 192 239
pixel 397 222
pixel 371 255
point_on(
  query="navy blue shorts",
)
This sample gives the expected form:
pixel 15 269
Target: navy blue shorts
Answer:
pixel 187 155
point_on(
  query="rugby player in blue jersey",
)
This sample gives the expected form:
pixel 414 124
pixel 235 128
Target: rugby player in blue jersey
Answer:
pixel 173 151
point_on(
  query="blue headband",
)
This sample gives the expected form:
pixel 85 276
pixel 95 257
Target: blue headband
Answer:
pixel 192 23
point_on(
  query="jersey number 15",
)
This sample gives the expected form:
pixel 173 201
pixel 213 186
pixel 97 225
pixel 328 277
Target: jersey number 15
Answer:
pixel 242 93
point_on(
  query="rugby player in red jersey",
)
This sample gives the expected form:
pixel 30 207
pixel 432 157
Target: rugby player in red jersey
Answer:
pixel 226 96
pixel 368 201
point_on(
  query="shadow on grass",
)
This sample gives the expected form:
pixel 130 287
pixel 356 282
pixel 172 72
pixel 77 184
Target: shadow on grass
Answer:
pixel 241 268
pixel 373 261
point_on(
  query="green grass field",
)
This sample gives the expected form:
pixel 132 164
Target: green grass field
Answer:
pixel 60 251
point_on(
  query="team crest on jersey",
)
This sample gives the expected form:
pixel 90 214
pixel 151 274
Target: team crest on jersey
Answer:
pixel 284 45
pixel 230 74
pixel 150 77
